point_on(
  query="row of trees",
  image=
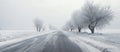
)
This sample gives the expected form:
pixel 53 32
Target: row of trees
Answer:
pixel 90 16
pixel 40 26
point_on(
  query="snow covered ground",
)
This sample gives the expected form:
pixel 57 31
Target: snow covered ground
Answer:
pixel 13 34
pixel 63 41
pixel 102 41
pixel 24 36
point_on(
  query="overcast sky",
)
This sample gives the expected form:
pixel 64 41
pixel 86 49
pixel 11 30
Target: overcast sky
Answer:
pixel 20 13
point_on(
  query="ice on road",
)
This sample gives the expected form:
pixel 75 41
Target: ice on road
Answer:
pixel 57 41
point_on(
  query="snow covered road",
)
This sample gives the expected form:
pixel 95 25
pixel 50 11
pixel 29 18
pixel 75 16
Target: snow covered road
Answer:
pixel 57 41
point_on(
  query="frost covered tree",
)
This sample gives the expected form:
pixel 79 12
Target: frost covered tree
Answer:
pixel 79 20
pixel 38 24
pixel 65 27
pixel 97 16
pixel 52 27
pixel 70 25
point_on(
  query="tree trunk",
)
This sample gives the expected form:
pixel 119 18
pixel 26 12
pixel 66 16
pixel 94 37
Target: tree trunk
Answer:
pixel 92 29
pixel 79 29
pixel 71 29
pixel 37 29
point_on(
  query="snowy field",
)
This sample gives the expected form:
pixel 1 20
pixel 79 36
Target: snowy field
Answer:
pixel 112 35
pixel 15 34
pixel 97 42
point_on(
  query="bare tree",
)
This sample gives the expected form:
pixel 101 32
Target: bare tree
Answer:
pixel 38 24
pixel 96 15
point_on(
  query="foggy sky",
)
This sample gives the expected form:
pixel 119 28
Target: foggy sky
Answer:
pixel 19 14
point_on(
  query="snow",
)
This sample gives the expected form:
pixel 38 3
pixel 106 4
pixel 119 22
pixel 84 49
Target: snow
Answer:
pixel 13 34
pixel 85 47
pixel 108 31
pixel 63 41
pixel 23 36
pixel 96 42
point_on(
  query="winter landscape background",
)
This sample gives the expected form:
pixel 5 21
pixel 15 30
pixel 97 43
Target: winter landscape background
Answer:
pixel 53 26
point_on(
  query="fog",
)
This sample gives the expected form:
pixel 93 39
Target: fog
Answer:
pixel 19 14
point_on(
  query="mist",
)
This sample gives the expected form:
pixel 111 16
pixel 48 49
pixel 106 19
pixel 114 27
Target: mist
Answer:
pixel 19 14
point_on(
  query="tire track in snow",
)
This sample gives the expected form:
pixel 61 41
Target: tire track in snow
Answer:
pixel 93 43
pixel 61 43
pixel 17 46
pixel 99 45
pixel 39 45
pixel 22 45
pixel 32 43
pixel 85 47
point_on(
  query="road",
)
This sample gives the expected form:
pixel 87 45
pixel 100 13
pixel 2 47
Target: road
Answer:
pixel 57 41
